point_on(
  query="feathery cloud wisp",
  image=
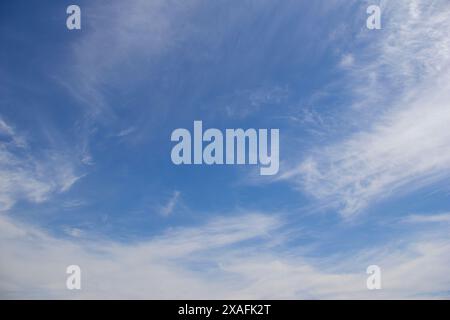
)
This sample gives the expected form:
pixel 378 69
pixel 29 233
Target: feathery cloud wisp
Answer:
pixel 407 143
pixel 25 176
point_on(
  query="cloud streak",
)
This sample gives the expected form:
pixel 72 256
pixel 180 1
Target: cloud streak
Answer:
pixel 26 176
pixel 168 209
pixel 404 144
pixel 431 218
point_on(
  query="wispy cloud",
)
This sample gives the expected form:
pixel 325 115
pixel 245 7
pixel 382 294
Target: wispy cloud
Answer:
pixel 24 175
pixel 168 208
pixel 431 218
pixel 244 103
pixel 113 54
pixel 229 257
pixel 347 61
pixel 125 132
pixel 405 143
pixel 73 232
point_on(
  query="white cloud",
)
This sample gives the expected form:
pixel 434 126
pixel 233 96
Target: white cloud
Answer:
pixel 73 232
pixel 347 61
pixel 161 267
pixel 122 38
pixel 26 176
pixel 226 258
pixel 403 143
pixel 171 204
pixel 9 136
pixel 429 218
pixel 244 103
pixel 125 132
pixel 72 204
pixel 5 129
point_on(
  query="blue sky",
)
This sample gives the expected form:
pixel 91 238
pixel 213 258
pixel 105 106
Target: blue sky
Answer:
pixel 86 176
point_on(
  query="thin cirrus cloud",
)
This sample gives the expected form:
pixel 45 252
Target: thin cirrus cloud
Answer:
pixel 429 218
pixel 142 31
pixel 27 176
pixel 170 206
pixel 406 143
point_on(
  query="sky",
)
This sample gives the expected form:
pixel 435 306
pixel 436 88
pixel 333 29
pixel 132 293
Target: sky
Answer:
pixel 86 176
